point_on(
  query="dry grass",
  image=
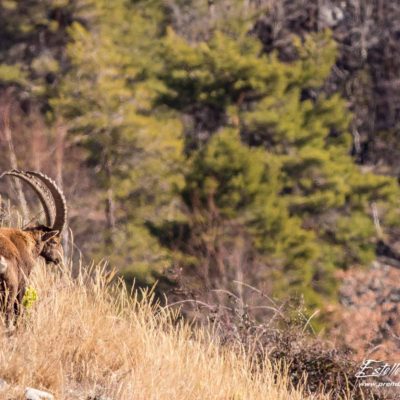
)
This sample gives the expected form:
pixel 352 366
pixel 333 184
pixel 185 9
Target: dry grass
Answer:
pixel 85 337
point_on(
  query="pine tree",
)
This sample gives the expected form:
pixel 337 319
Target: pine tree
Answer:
pixel 33 40
pixel 316 202
pixel 107 97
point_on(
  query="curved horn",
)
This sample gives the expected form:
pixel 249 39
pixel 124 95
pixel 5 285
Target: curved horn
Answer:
pixel 60 203
pixel 39 189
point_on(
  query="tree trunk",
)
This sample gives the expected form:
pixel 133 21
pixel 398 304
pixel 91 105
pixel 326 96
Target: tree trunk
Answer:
pixel 7 135
pixel 110 205
pixel 61 133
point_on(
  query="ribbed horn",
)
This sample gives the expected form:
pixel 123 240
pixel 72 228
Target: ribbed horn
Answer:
pixel 60 203
pixel 40 189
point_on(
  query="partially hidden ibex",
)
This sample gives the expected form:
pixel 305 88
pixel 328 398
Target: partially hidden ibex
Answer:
pixel 21 248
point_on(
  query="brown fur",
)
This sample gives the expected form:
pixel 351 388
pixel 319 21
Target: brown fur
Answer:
pixel 19 252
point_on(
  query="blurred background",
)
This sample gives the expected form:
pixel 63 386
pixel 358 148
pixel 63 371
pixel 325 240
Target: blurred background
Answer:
pixel 219 147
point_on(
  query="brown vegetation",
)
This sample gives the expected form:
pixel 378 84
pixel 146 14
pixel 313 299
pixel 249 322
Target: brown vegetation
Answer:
pixel 368 321
pixel 88 339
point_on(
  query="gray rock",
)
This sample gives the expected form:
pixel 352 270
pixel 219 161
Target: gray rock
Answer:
pixel 35 394
pixel 3 384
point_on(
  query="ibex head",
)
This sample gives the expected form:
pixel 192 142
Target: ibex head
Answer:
pixel 47 237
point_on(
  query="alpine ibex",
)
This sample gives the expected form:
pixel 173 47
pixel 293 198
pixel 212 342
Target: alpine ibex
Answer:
pixel 21 248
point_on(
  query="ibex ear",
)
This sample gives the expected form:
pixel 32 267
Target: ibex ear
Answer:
pixel 49 235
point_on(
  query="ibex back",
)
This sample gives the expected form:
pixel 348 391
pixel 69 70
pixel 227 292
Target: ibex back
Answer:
pixel 21 248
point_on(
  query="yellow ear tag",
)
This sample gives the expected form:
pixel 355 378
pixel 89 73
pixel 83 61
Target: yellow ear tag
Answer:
pixel 30 297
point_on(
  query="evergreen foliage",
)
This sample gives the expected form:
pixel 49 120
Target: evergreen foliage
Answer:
pixel 135 150
pixel 33 36
pixel 296 189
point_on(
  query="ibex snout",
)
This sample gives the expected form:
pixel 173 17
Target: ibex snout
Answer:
pixel 52 254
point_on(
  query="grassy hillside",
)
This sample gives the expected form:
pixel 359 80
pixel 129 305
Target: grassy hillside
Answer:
pixel 86 337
